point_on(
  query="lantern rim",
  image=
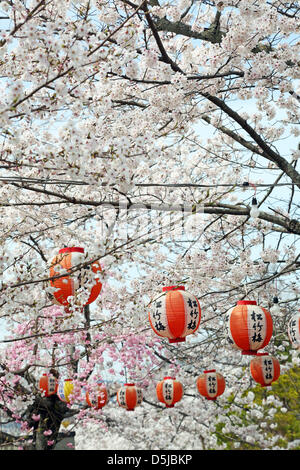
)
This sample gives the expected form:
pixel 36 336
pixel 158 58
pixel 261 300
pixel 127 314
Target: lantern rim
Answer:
pixel 176 340
pixel 211 370
pixel 128 384
pixel 246 302
pixel 169 377
pixel 249 352
pixel 74 249
pixel 170 288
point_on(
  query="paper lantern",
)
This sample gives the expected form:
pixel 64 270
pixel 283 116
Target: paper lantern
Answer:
pixel 294 330
pixel 249 327
pixel 174 314
pixel 69 284
pixel 169 391
pixel 97 399
pixel 211 384
pixel 129 396
pixel 48 385
pixel 265 369
pixel 65 389
pixel 65 423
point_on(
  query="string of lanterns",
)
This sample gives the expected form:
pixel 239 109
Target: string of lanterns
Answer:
pixel 169 391
pixel 174 314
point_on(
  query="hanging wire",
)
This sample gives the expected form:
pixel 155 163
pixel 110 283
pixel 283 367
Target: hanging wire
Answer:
pixel 19 179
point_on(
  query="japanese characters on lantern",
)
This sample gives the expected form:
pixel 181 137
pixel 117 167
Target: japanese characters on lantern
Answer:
pixel 294 330
pixel 48 385
pixel 129 396
pixel 175 314
pixel 68 285
pixel 211 384
pixel 97 398
pixel 249 327
pixel 169 391
pixel 265 369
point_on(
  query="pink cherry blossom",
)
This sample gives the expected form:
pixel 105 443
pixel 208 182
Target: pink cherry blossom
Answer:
pixel 36 417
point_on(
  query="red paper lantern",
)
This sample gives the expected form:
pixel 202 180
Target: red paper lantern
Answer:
pixel 249 327
pixel 169 391
pixel 97 399
pixel 129 396
pixel 69 284
pixel 265 369
pixel 211 384
pixel 174 314
pixel 48 385
pixel 294 330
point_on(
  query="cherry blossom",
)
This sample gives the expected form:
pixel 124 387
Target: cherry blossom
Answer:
pixel 142 131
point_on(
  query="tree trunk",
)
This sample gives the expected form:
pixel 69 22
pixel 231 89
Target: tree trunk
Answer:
pixel 51 411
